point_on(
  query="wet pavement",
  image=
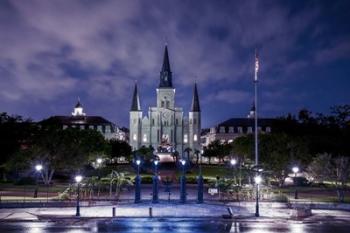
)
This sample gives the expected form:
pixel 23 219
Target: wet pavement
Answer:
pixel 173 226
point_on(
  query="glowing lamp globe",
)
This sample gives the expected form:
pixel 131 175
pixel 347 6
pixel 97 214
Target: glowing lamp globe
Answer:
pixel 78 178
pixel 38 167
pixel 295 169
pixel 257 179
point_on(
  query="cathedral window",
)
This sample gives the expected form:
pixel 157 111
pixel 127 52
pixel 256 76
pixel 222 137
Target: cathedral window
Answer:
pixel 194 121
pixel 152 121
pixel 230 129
pixel 195 138
pixel 177 121
pixel 162 104
pixel 145 138
pixel 99 128
pixel 82 126
pixel 185 138
pixel 240 130
pixel 108 129
pixel 91 127
pixel 134 137
pixel 250 129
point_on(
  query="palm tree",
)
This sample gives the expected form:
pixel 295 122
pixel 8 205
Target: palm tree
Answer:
pixel 175 155
pixel 188 150
pixel 197 152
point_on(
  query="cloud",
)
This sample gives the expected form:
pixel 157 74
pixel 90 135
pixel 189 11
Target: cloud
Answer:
pixel 60 48
pixel 229 96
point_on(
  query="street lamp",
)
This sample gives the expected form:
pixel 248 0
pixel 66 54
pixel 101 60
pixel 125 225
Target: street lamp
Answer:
pixel 78 179
pixel 138 162
pixel 295 171
pixel 38 169
pixel 183 183
pixel 257 180
pixel 233 163
pixel 99 161
pixel 155 183
pixel 138 183
pixel 200 181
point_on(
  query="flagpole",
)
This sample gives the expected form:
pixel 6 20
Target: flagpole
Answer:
pixel 257 214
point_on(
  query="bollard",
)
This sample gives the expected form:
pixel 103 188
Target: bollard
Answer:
pixel 113 211
pixel 150 212
pixel 230 212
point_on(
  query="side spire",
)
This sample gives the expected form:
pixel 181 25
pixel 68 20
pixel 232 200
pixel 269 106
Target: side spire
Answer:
pixel 165 73
pixel 135 105
pixel 195 100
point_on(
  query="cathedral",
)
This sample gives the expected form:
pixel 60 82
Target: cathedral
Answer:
pixel 165 127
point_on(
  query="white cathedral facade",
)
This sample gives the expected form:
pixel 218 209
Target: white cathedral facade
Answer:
pixel 165 127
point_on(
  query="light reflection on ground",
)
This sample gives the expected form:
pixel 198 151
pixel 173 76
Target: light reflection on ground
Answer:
pixel 174 226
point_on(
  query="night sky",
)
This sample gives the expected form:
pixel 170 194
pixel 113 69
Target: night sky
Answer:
pixel 52 52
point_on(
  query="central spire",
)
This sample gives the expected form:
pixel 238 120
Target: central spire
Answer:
pixel 165 73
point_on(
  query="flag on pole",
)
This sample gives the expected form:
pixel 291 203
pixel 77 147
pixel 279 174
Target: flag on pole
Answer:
pixel 256 66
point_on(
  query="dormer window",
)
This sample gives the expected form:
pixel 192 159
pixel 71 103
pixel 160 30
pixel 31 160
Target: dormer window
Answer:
pixel 222 129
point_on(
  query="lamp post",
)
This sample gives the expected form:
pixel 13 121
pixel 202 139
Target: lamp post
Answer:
pixel 200 181
pixel 99 162
pixel 155 197
pixel 233 163
pixel 256 143
pixel 257 180
pixel 183 183
pixel 138 183
pixel 78 179
pixel 295 171
pixel 38 169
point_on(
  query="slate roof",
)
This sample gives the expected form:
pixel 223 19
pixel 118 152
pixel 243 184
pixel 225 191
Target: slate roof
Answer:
pixel 79 120
pixel 135 105
pixel 246 122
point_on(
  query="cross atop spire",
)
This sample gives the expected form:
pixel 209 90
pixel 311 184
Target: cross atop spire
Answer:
pixel 195 100
pixel 165 73
pixel 135 105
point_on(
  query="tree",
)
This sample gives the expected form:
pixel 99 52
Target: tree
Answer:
pixel 117 149
pixel 279 152
pixel 65 150
pixel 15 134
pixel 325 167
pixel 197 153
pixel 146 152
pixel 212 150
